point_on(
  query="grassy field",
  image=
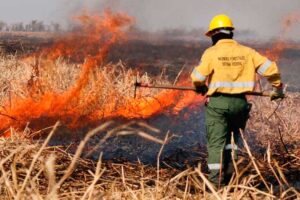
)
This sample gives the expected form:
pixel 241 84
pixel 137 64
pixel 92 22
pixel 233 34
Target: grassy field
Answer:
pixel 31 169
pixel 71 131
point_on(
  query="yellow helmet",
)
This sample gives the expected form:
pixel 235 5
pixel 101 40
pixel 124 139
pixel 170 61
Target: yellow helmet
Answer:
pixel 219 21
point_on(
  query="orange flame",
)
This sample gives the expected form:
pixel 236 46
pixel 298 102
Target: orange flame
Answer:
pixel 90 44
pixel 279 45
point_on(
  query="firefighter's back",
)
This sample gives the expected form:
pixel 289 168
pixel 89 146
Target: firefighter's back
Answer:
pixel 233 67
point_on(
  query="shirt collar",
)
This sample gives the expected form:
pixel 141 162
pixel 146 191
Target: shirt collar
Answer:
pixel 223 41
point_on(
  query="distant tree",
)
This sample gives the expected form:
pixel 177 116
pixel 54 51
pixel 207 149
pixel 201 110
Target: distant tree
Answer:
pixel 55 27
pixel 17 27
pixel 48 28
pixel 3 26
pixel 28 28
pixel 40 27
pixel 32 26
pixel 35 26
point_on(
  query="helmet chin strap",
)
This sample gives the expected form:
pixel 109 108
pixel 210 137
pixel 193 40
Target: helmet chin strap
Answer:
pixel 222 30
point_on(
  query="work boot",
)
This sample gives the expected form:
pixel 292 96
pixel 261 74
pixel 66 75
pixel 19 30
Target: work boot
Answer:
pixel 228 172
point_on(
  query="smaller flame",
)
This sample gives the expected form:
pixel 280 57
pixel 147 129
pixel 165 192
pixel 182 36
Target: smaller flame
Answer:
pixel 278 46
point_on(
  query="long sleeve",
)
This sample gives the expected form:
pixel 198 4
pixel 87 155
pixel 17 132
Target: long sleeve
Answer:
pixel 202 71
pixel 267 68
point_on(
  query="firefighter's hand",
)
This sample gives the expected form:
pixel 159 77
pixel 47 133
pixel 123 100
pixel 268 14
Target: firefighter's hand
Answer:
pixel 277 93
pixel 202 89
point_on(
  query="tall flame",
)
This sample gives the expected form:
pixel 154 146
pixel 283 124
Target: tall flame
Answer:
pixel 75 107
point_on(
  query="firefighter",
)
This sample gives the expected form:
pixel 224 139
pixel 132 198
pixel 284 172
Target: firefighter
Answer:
pixel 226 72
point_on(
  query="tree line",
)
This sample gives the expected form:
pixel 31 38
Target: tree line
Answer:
pixel 33 26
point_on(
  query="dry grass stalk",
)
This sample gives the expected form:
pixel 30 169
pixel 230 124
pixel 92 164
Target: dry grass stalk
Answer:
pixel 158 161
pixel 209 185
pixel 270 165
pixel 79 150
pixel 35 159
pixel 253 160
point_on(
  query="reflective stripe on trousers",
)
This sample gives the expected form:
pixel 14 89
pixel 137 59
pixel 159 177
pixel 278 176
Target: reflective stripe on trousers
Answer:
pixel 214 166
pixel 230 147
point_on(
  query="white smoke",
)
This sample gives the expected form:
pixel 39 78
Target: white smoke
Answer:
pixel 257 18
pixel 260 17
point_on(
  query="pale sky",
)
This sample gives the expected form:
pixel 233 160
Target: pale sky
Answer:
pixel 261 16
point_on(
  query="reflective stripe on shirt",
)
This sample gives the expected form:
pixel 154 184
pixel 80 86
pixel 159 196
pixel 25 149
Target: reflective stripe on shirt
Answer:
pixel 232 84
pixel 264 67
pixel 214 166
pixel 199 76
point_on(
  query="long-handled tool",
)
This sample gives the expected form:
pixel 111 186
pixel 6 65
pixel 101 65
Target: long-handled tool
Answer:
pixel 185 88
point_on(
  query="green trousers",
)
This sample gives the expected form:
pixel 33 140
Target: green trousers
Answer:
pixel 225 116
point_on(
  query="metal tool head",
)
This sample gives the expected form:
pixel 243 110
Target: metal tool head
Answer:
pixel 136 85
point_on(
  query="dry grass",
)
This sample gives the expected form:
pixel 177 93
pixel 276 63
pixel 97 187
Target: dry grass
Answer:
pixel 34 170
pixel 34 76
pixel 276 122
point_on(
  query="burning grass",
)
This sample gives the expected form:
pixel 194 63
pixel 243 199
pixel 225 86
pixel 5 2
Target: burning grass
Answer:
pixel 51 90
pixel 34 170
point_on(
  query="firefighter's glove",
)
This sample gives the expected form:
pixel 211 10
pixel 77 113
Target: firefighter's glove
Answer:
pixel 277 93
pixel 201 89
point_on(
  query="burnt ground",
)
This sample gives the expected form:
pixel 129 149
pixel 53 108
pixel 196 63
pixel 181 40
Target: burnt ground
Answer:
pixel 186 146
pixel 188 143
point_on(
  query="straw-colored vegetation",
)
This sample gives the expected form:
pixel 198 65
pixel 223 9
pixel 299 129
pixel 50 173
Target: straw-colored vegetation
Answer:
pixel 35 76
pixel 34 170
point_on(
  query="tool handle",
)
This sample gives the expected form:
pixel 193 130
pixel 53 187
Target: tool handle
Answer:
pixel 260 94
pixel 186 88
pixel 168 87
